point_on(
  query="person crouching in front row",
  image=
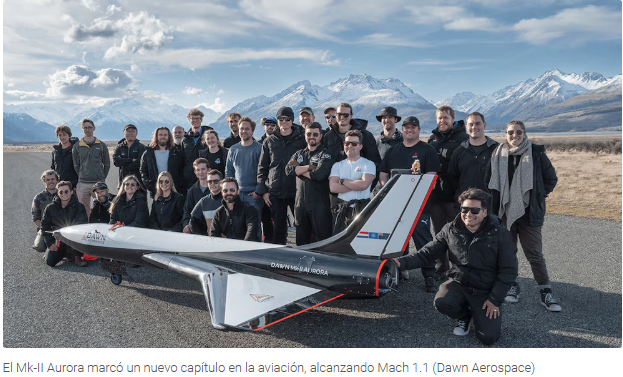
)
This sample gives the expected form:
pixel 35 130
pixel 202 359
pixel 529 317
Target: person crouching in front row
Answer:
pixel 235 218
pixel 479 281
pixel 65 210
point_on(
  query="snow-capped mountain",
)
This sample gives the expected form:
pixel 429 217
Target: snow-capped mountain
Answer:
pixel 20 127
pixel 525 99
pixel 367 95
pixel 146 113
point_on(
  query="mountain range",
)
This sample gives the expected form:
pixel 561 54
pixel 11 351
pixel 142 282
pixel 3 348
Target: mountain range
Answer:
pixel 555 101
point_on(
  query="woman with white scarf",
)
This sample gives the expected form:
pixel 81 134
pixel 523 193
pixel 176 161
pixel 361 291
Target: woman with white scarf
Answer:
pixel 520 178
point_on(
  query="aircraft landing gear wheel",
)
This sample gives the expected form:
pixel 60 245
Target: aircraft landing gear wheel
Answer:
pixel 116 279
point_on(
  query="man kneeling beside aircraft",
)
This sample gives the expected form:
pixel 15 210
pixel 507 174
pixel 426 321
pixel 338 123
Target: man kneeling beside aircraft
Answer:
pixel 484 266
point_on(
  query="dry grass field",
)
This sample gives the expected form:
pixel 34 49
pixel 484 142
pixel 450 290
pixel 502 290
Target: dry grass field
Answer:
pixel 589 183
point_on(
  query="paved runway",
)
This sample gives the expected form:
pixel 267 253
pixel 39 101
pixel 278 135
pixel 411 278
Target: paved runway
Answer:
pixel 68 306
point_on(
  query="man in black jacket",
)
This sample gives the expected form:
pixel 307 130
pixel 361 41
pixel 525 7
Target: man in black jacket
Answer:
pixel 484 266
pixel 65 210
pixel 203 213
pixel 161 155
pixel 277 189
pixel 100 204
pixel 196 191
pixel 191 145
pixel 390 136
pixel 127 156
pixel 234 136
pixel 471 159
pixel 311 167
pixel 234 219
pixel 447 137
pixel 270 125
pixel 62 160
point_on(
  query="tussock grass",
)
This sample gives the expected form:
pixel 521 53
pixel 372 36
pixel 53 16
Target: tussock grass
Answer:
pixel 590 146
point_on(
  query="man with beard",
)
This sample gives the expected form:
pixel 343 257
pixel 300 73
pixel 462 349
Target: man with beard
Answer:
pixel 234 219
pixel 277 189
pixel 161 155
pixel 203 213
pixel 101 204
pixel 234 136
pixel 270 124
pixel 306 116
pixel 127 156
pixel 403 156
pixel 191 145
pixel 178 135
pixel 49 179
pixel 390 136
pixel 312 208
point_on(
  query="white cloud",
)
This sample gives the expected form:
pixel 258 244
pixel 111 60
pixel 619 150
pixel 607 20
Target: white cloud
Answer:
pixel 385 39
pixel 144 33
pixel 135 68
pixel 220 92
pixel 217 106
pixel 201 58
pixel 474 23
pixel 452 17
pixel 22 95
pixel 112 9
pixel 192 91
pixel 99 28
pixel 79 80
pixel 577 25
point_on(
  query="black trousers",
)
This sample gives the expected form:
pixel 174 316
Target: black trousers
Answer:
pixel 421 236
pixel 460 302
pixel 440 215
pixel 52 258
pixel 267 224
pixel 312 220
pixel 279 211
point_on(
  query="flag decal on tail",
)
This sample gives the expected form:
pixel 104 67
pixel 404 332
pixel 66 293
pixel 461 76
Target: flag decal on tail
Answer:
pixel 373 235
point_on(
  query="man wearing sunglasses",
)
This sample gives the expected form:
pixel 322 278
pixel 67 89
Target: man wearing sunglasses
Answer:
pixel 277 189
pixel 483 267
pixel 65 210
pixel 330 117
pixel 234 219
pixel 311 167
pixel 402 156
pixel 203 213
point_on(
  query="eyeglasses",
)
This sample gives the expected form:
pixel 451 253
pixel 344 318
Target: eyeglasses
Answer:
pixel 213 182
pixel 165 182
pixel 64 192
pixel 312 134
pixel 88 128
pixel 195 118
pixel 517 132
pixel 343 115
pixel 130 130
pixel 331 116
pixel 130 184
pixel 473 210
pixel 231 189
pixel 284 119
pixel 351 143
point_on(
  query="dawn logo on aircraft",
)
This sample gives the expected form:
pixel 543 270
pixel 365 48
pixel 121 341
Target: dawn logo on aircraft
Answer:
pixel 94 237
pixel 261 298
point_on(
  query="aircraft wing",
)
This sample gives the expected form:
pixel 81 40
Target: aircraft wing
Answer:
pixel 242 297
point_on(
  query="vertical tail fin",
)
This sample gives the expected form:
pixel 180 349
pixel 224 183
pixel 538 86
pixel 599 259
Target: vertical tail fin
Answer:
pixel 383 228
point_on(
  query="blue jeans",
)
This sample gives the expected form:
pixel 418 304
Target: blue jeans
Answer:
pixel 258 204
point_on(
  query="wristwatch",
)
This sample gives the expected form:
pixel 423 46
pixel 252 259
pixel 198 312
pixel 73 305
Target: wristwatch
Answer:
pixel 342 181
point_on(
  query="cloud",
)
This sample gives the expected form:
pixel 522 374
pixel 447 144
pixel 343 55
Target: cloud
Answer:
pixel 576 25
pixel 135 68
pixel 452 17
pixel 383 39
pixel 201 58
pixel 220 92
pixel 144 33
pixel 217 106
pixel 475 23
pixel 22 95
pixel 79 80
pixel 192 91
pixel 100 28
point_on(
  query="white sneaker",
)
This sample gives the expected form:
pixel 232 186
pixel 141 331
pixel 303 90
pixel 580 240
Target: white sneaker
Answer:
pixel 513 294
pixel 462 327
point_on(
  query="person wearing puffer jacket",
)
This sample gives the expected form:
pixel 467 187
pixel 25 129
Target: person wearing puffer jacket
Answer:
pixel 130 205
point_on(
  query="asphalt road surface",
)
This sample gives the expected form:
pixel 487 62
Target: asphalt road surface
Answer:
pixel 68 306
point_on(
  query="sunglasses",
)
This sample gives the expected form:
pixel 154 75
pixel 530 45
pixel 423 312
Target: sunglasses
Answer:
pixel 130 184
pixel 231 189
pixel 343 115
pixel 517 132
pixel 165 182
pixel 330 116
pixel 351 143
pixel 284 119
pixel 314 134
pixel 215 181
pixel 64 192
pixel 473 210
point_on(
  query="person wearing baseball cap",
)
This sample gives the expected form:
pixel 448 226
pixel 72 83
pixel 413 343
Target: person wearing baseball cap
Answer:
pixel 306 116
pixel 127 155
pixel 403 156
pixel 100 203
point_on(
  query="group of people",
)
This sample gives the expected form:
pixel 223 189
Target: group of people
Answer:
pixel 487 195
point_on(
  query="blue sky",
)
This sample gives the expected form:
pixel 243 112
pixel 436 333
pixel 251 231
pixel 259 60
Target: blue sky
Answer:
pixel 219 53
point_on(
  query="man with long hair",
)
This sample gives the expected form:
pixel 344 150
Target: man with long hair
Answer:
pixel 161 156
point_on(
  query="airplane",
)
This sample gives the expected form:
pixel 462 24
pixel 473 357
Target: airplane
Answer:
pixel 252 285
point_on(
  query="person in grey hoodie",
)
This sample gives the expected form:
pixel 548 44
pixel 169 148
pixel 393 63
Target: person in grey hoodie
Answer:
pixel 91 161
